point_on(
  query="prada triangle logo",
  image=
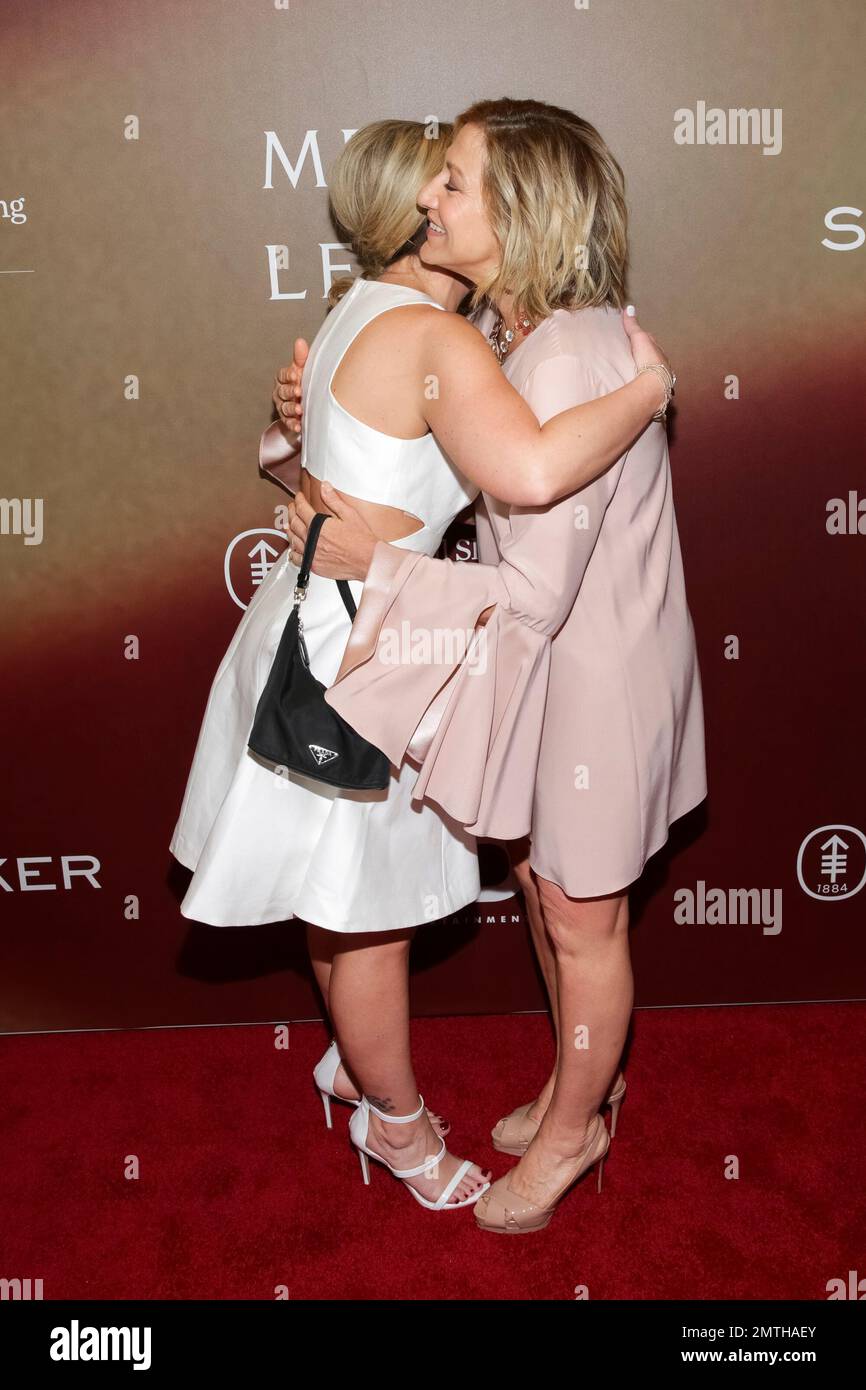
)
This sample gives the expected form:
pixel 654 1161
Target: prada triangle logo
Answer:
pixel 322 755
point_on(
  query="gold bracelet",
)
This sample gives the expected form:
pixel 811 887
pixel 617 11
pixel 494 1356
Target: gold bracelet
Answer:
pixel 668 381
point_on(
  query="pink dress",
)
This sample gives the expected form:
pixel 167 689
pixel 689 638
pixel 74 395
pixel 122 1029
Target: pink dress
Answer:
pixel 576 715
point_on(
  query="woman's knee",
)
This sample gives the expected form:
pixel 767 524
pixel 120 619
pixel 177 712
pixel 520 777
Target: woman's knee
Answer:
pixel 577 924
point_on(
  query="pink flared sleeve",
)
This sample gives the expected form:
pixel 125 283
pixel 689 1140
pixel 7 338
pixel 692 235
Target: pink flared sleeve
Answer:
pixel 420 682
pixel 280 457
pixel 473 718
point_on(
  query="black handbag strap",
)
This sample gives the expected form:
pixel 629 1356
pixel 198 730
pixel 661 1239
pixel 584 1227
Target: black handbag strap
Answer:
pixel 303 578
pixel 346 596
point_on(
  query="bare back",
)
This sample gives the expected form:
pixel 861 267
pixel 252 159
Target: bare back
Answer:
pixel 380 381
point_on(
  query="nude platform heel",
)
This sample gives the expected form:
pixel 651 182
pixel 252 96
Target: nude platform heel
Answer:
pixel 507 1213
pixel 514 1133
pixel 358 1127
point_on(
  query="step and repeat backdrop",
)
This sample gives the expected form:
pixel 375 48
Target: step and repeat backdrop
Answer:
pixel 164 236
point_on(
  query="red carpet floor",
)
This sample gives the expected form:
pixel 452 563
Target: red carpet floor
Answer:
pixel 242 1189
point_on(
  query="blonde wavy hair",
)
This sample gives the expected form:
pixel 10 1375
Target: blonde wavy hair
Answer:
pixel 556 199
pixel 374 187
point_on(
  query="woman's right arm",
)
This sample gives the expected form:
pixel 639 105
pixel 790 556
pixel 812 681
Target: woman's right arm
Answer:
pixel 490 433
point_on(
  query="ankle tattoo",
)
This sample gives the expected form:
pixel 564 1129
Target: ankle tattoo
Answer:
pixel 384 1103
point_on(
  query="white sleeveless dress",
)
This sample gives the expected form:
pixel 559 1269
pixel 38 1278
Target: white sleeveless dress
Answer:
pixel 266 846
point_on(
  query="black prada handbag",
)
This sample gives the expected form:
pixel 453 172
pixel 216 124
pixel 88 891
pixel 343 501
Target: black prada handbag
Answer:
pixel 294 726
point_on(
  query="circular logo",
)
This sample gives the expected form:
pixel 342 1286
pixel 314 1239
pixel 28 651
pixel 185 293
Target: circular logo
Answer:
pixel 831 863
pixel 250 557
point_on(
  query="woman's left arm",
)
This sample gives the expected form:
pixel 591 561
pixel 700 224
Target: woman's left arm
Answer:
pixel 346 548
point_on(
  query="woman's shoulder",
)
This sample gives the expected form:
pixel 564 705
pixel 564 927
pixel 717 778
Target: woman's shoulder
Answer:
pixel 594 334
pixel 572 329
pixel 386 328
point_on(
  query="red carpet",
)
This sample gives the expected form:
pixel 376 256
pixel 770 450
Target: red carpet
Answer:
pixel 242 1189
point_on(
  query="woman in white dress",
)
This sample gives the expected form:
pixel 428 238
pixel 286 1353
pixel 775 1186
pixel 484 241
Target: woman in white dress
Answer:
pixel 363 869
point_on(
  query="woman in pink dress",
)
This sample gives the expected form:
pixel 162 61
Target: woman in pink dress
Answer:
pixel 583 725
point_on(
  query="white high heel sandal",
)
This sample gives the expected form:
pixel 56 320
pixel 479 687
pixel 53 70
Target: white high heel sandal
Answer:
pixel 324 1073
pixel 358 1126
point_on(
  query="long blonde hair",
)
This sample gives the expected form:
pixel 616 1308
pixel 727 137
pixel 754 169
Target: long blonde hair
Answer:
pixel 555 195
pixel 374 187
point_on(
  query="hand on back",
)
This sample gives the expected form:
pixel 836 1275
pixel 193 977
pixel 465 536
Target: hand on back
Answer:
pixel 287 387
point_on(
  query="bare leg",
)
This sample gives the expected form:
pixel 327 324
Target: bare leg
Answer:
pixel 369 1005
pixel 596 992
pixel 518 853
pixel 321 945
